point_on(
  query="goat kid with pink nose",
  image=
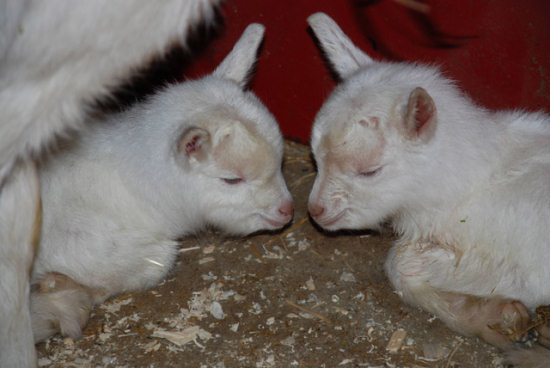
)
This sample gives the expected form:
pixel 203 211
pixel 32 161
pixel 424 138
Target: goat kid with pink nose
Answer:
pixel 467 191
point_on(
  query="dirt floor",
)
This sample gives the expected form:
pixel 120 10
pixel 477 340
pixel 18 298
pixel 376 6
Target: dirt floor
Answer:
pixel 299 298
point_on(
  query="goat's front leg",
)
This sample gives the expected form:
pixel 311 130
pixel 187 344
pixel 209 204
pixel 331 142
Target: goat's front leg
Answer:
pixel 425 276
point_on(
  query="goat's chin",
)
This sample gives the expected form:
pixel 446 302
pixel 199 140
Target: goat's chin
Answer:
pixel 250 225
pixel 359 221
pixel 331 222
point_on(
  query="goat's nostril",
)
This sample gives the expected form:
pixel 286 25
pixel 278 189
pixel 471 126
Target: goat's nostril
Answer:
pixel 316 210
pixel 287 209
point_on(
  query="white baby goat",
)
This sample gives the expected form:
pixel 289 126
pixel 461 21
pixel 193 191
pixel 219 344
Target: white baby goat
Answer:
pixel 199 153
pixel 466 189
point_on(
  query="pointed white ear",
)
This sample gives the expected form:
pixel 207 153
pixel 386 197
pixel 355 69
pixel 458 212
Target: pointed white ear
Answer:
pixel 371 122
pixel 341 52
pixel 237 65
pixel 420 118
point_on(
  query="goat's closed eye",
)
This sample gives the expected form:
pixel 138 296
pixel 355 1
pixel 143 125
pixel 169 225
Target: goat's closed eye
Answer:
pixel 370 173
pixel 232 181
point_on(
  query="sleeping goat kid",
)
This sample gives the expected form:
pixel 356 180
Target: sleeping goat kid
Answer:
pixel 466 189
pixel 203 152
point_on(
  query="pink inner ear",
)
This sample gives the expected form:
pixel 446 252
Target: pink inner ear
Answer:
pixel 193 145
pixel 423 112
pixel 371 122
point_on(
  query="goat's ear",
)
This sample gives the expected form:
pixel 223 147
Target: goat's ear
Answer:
pixel 345 57
pixel 195 144
pixel 420 118
pixel 239 63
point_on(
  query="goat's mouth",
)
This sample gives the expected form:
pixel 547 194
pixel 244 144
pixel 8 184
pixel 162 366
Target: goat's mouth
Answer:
pixel 331 220
pixel 275 222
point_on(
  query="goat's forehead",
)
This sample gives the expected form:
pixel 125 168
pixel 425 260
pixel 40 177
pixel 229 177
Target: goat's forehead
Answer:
pixel 340 113
pixel 251 155
pixel 345 147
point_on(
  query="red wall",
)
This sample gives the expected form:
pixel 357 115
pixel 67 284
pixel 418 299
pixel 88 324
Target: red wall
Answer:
pixel 497 50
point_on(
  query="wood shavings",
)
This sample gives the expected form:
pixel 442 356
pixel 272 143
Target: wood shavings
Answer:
pixel 183 250
pixel 310 284
pixel 347 277
pixel 216 310
pixel 68 342
pixel 309 311
pixel 207 300
pixel 303 245
pixel 44 362
pixel 104 336
pixel 256 308
pixel 434 352
pixel 114 306
pixel 181 338
pixel 206 260
pixel 278 254
pixel 150 326
pixel 178 338
pixel 455 349
pixel 300 180
pixel 396 341
pixel 209 249
pixel 346 361
pixel 156 263
pixel 305 315
pixel 204 335
pixel 289 341
pixel 152 346
pixel 209 277
pixel 342 311
pixel 238 297
pixel 298 224
pixel 254 250
pixel 266 362
pixel 156 294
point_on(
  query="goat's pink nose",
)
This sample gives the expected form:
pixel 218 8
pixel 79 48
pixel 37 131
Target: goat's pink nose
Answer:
pixel 315 209
pixel 287 209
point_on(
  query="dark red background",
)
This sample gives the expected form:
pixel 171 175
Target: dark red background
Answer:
pixel 497 50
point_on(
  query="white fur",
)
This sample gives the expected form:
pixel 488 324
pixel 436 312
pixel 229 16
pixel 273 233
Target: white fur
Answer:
pixel 116 201
pixel 63 55
pixel 469 198
pixel 18 218
pixel 56 57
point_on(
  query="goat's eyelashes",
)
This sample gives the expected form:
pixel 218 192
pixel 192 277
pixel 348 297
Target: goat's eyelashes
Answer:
pixel 370 173
pixel 232 181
